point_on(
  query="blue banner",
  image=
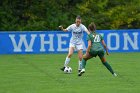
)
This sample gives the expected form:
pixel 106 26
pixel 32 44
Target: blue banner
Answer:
pixel 58 42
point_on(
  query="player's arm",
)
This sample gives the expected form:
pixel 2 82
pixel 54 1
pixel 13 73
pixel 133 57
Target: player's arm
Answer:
pixel 61 27
pixel 89 46
pixel 87 31
pixel 105 47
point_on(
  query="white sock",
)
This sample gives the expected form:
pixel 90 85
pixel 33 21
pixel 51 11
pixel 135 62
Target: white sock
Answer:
pixel 67 61
pixel 80 65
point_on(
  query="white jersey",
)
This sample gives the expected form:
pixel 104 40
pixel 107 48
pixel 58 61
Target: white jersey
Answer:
pixel 77 33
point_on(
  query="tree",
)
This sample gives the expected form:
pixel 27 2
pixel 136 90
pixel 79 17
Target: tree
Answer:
pixel 49 14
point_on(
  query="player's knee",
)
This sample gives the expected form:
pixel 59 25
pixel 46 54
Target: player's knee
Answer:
pixel 69 55
pixel 80 57
pixel 103 59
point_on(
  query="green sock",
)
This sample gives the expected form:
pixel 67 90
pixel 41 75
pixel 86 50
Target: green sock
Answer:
pixel 83 63
pixel 106 64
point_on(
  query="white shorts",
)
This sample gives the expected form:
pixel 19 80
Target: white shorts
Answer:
pixel 76 46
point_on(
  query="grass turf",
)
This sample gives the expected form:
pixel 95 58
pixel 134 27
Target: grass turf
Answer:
pixel 41 74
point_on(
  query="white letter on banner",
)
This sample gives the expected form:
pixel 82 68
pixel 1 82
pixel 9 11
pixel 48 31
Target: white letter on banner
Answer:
pixel 127 39
pixel 60 42
pixel 23 40
pixel 109 41
pixel 43 42
pixel 102 34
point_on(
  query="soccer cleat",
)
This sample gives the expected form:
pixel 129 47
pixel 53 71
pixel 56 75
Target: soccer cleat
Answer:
pixel 62 68
pixel 79 70
pixel 115 75
pixel 82 71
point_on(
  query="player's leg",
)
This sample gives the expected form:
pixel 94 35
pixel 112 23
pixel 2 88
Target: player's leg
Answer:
pixel 67 60
pixel 105 63
pixel 80 54
pixel 79 48
pixel 86 57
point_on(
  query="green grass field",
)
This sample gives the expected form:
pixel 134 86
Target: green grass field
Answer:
pixel 41 74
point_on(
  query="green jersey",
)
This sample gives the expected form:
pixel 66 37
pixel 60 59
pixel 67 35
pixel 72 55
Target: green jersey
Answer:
pixel 96 42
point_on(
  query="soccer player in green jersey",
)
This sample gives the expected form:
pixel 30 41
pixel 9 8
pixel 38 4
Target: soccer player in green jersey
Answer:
pixel 96 46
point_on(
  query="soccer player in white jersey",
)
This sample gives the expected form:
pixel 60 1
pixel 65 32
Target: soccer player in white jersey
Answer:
pixel 76 41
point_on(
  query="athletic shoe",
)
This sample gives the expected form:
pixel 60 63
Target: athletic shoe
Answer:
pixel 115 75
pixel 82 71
pixel 62 68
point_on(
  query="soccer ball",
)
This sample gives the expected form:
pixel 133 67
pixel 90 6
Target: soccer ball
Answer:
pixel 68 70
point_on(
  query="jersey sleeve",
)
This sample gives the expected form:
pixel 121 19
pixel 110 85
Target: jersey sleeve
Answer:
pixel 89 37
pixel 84 28
pixel 69 28
pixel 101 37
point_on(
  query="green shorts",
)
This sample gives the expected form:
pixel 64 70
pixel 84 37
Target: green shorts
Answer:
pixel 95 53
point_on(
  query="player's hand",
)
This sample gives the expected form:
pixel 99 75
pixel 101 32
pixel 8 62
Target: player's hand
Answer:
pixel 61 27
